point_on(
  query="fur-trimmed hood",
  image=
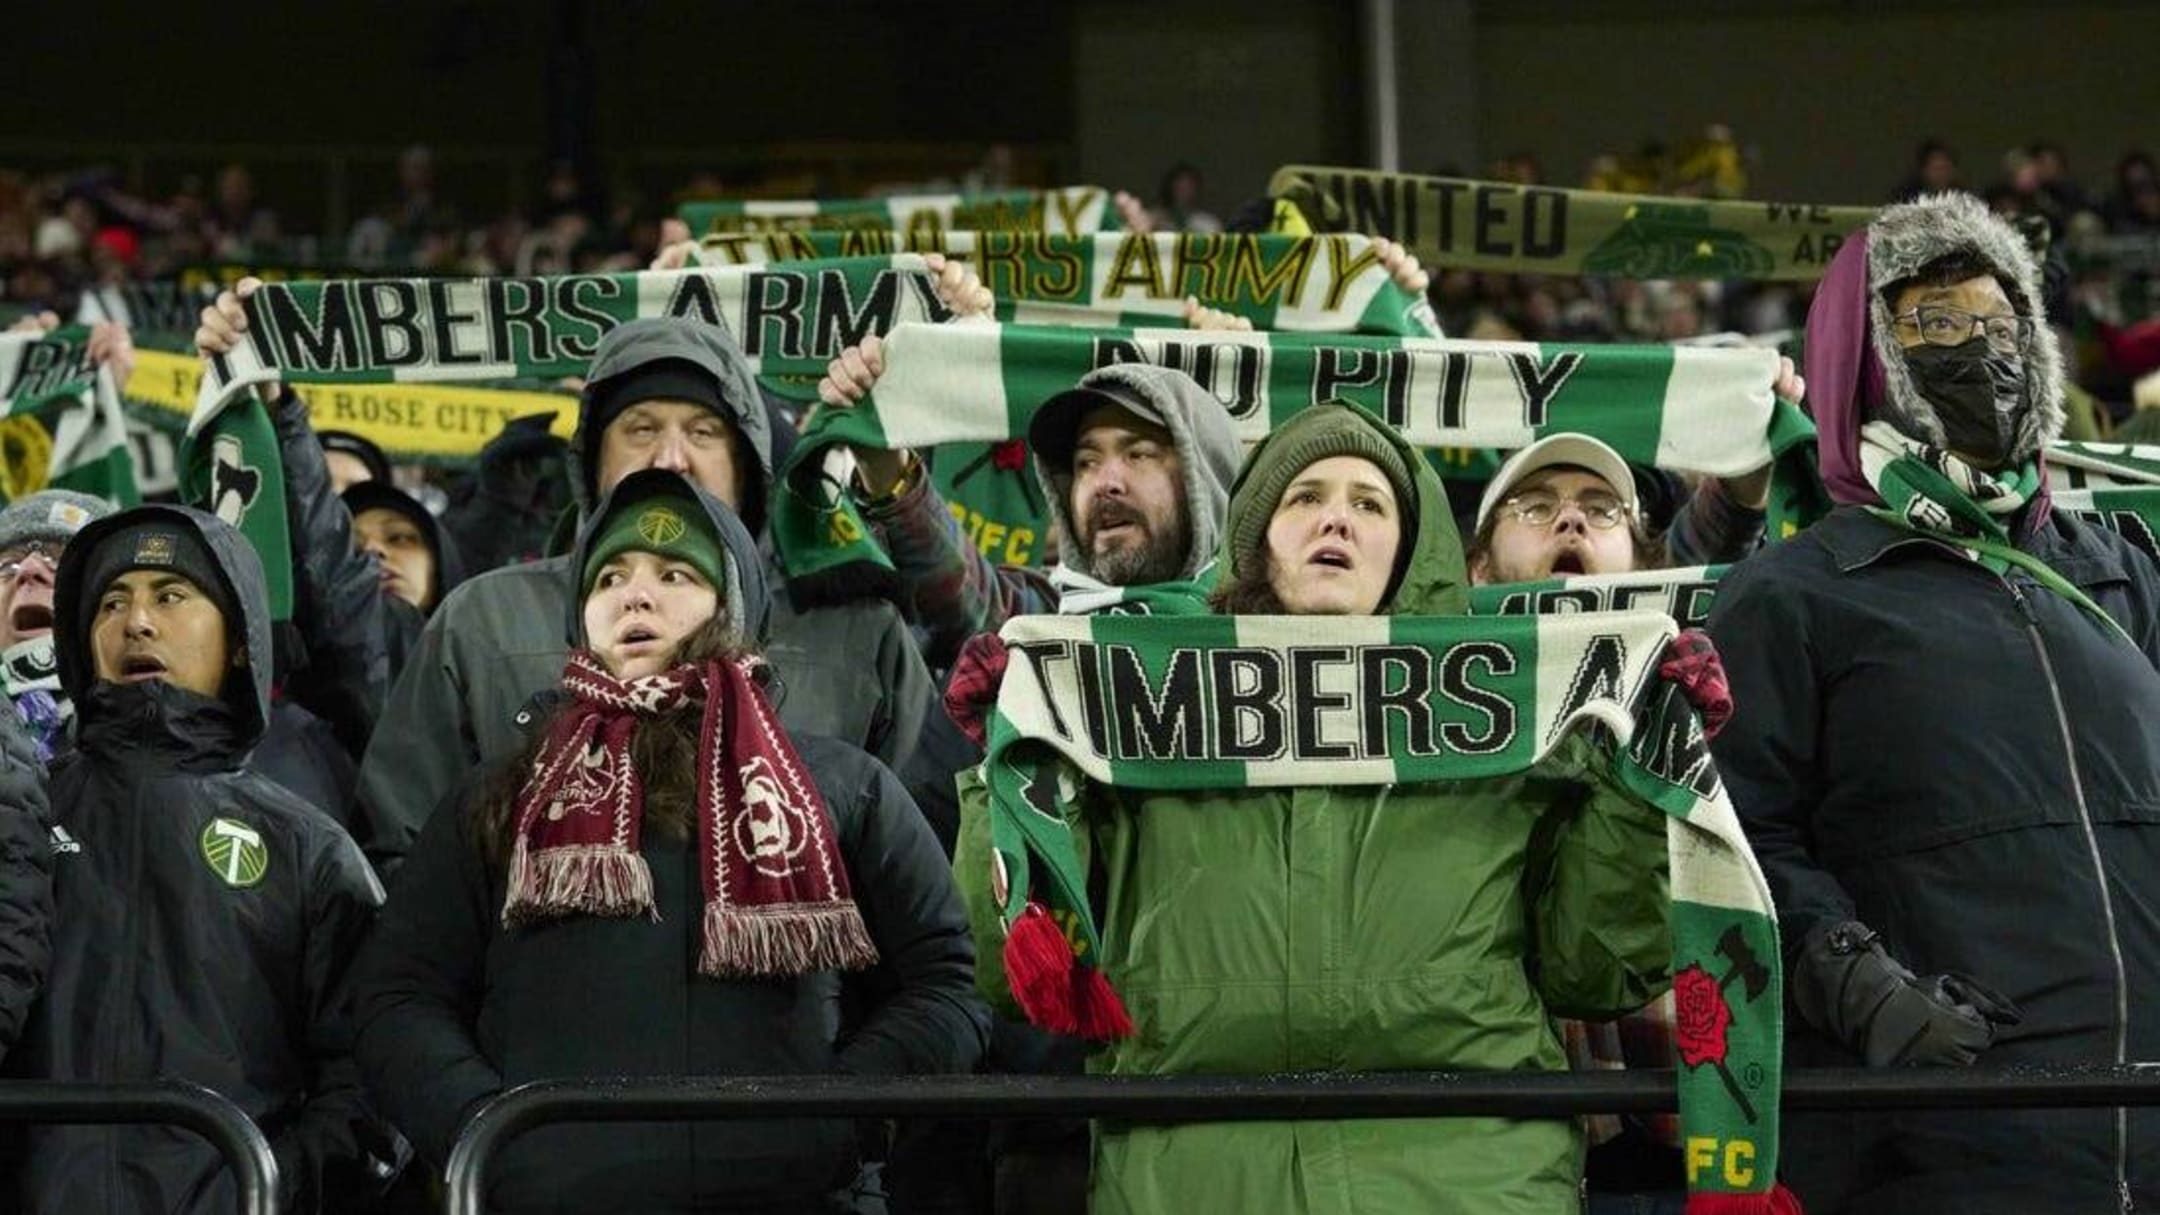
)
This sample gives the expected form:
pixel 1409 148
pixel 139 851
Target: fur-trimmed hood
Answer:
pixel 1855 369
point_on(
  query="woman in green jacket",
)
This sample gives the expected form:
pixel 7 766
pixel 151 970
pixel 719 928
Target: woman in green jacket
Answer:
pixel 1358 929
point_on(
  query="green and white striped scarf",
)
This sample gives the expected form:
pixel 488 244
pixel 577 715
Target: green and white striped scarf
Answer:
pixel 1684 594
pixel 2073 465
pixel 1301 284
pixel 1068 210
pixel 2132 512
pixel 1930 491
pixel 62 425
pixel 1689 409
pixel 1209 703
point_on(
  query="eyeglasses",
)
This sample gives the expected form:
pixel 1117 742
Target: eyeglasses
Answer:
pixel 2006 332
pixel 11 561
pixel 1541 508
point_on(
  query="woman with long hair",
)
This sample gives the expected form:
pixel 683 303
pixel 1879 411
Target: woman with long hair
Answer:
pixel 665 881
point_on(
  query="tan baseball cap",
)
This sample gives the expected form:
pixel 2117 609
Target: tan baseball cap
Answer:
pixel 1568 451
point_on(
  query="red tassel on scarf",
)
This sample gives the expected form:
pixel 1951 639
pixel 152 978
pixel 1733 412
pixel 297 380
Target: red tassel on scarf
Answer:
pixel 1779 1201
pixel 1052 988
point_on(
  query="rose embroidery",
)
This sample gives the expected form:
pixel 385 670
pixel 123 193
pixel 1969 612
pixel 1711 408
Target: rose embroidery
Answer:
pixel 1703 1017
pixel 1009 456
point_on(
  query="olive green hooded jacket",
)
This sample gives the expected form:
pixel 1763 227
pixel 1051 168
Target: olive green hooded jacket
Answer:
pixel 1359 929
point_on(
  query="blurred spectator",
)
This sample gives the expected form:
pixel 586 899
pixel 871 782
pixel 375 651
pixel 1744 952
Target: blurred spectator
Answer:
pixel 1177 206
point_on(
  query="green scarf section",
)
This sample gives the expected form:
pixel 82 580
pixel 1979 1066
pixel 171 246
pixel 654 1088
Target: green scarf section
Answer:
pixel 1275 702
pixel 2102 465
pixel 232 467
pixel 1683 594
pixel 1324 284
pixel 1081 595
pixel 1453 223
pixel 1069 210
pixel 62 425
pixel 1927 490
pixel 1685 408
pixel 2132 513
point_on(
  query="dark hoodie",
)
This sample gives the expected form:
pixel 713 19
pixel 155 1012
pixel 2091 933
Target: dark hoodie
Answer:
pixel 850 672
pixel 454 1007
pixel 357 636
pixel 165 964
pixel 1964 762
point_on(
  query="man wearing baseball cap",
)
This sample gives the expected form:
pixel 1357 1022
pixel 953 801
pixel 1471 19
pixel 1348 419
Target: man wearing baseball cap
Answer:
pixel 33 532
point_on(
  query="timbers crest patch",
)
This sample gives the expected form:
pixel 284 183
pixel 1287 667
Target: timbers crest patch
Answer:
pixel 659 525
pixel 235 852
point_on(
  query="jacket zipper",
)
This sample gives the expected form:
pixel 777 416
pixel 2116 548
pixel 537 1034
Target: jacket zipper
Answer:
pixel 2107 900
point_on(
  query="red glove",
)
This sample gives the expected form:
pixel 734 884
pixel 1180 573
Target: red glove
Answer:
pixel 973 687
pixel 1692 662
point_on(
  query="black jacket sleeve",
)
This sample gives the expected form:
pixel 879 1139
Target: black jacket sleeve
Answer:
pixel 420 984
pixel 26 897
pixel 328 1148
pixel 338 601
pixel 1767 754
pixel 920 1011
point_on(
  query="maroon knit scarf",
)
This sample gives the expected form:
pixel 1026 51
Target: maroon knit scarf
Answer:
pixel 776 892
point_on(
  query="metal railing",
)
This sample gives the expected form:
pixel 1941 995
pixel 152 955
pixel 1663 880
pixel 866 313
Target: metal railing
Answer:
pixel 169 1103
pixel 1244 1098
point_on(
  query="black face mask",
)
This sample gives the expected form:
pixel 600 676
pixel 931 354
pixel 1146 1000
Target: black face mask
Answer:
pixel 1978 393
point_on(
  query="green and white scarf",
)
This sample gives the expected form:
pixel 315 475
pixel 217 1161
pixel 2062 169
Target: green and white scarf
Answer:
pixel 1082 595
pixel 1683 594
pixel 1302 284
pixel 2132 513
pixel 62 425
pixel 1067 210
pixel 2074 465
pixel 1207 703
pixel 1689 409
pixel 790 319
pixel 1932 492
pixel 1486 225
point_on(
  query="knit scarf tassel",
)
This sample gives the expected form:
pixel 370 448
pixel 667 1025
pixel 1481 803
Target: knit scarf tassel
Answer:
pixel 1778 1201
pixel 1053 988
pixel 587 881
pixel 783 940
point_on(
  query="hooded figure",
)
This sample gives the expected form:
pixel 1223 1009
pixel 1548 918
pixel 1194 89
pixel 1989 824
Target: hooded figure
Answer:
pixel 34 531
pixel 850 671
pixel 1356 929
pixel 205 917
pixel 482 976
pixel 519 488
pixel 956 592
pixel 1981 889
pixel 356 626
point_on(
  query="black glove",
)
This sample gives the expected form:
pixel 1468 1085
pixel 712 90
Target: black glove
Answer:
pixel 1847 987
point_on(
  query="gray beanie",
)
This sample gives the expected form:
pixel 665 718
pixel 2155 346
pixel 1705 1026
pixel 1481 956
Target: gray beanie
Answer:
pixel 50 517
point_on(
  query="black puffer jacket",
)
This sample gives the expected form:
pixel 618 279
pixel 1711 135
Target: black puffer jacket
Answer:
pixel 454 1007
pixel 169 963
pixel 1969 765
pixel 25 878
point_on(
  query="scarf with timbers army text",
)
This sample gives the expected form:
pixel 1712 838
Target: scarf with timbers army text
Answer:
pixel 1213 703
pixel 1689 409
pixel 1452 223
pixel 62 425
pixel 1299 284
pixel 1068 210
pixel 1684 594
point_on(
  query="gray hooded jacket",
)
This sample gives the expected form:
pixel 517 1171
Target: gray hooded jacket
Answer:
pixel 957 592
pixel 850 671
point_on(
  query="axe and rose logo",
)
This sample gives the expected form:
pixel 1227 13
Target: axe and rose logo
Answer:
pixel 1704 1018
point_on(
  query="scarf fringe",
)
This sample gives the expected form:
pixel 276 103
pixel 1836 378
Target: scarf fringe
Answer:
pixel 784 940
pixel 1778 1201
pixel 1051 986
pixel 553 882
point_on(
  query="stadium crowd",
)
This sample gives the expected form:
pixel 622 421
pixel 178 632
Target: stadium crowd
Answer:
pixel 553 767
